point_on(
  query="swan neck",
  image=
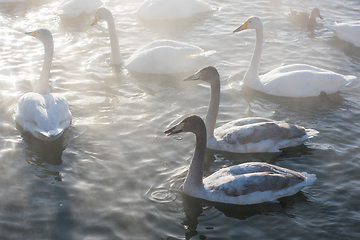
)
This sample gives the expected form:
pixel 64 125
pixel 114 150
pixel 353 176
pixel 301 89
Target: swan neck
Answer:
pixel 213 109
pixel 43 86
pixel 253 71
pixel 194 179
pixel 114 41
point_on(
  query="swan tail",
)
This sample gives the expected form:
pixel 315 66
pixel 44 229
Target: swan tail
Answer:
pixel 309 178
pixel 311 133
pixel 350 78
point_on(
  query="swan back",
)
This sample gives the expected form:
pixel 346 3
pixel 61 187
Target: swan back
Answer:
pixel 73 8
pixel 171 9
pixel 349 31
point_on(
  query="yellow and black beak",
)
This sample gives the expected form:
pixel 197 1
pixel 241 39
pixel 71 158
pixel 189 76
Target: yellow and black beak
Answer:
pixel 32 33
pixel 242 27
pixel 176 129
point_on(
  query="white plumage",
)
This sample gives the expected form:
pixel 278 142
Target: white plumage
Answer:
pixel 158 57
pixel 44 114
pixel 246 135
pixel 243 184
pixel 349 31
pixel 171 9
pixel 73 8
pixel 297 80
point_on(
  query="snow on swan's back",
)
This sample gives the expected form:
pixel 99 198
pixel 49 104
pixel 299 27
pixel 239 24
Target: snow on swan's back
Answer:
pixel 171 9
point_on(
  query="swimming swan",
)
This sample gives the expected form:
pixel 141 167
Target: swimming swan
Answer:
pixel 243 184
pixel 44 114
pixel 171 9
pixel 158 57
pixel 297 80
pixel 303 19
pixel 246 135
pixel 73 8
pixel 349 31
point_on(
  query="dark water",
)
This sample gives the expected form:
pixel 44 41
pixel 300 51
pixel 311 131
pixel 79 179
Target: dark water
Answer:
pixel 114 175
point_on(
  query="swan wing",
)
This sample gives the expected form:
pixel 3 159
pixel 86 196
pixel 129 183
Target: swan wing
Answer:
pixel 166 57
pixel 349 32
pixel 300 80
pixel 171 9
pixel 251 183
pixel 43 115
pixel 257 135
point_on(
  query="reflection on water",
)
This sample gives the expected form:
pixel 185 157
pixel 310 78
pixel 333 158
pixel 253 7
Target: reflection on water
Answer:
pixel 43 154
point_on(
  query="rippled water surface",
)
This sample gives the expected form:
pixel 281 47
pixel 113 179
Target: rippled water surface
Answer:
pixel 114 175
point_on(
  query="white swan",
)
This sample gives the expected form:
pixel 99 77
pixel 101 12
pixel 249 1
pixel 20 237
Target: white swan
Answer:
pixel 158 57
pixel 303 19
pixel 246 135
pixel 243 184
pixel 44 114
pixel 73 8
pixel 297 80
pixel 349 31
pixel 171 9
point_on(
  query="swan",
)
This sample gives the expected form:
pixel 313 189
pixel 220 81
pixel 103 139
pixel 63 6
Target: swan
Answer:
pixel 158 57
pixel 246 135
pixel 171 9
pixel 297 80
pixel 44 114
pixel 243 184
pixel 73 8
pixel 303 19
pixel 349 31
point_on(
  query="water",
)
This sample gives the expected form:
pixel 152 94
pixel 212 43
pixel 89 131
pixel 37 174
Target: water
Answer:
pixel 114 175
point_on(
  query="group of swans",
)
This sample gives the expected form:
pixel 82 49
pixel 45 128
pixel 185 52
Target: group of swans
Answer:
pixel 46 115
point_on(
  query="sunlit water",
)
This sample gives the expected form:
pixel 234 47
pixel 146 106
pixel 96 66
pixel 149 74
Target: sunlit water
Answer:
pixel 114 175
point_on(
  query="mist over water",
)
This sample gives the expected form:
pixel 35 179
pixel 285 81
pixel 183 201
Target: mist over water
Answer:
pixel 115 175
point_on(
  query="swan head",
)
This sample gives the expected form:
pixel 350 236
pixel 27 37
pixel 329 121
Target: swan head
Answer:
pixel 42 34
pixel 251 23
pixel 207 74
pixel 192 123
pixel 102 14
pixel 316 13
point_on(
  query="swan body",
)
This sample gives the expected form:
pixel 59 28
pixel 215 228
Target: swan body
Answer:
pixel 349 32
pixel 44 114
pixel 73 8
pixel 297 80
pixel 158 57
pixel 303 19
pixel 246 135
pixel 243 184
pixel 171 9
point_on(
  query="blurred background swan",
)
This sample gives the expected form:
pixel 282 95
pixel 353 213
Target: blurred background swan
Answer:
pixel 44 114
pixel 158 57
pixel 74 8
pixel 348 31
pixel 171 9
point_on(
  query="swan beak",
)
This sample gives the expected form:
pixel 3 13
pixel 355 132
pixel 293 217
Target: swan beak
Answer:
pixel 242 27
pixel 95 21
pixel 194 77
pixel 32 33
pixel 176 129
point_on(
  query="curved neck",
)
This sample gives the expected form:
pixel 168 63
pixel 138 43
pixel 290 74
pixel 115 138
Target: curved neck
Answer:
pixel 213 108
pixel 42 86
pixel 253 71
pixel 194 179
pixel 114 42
